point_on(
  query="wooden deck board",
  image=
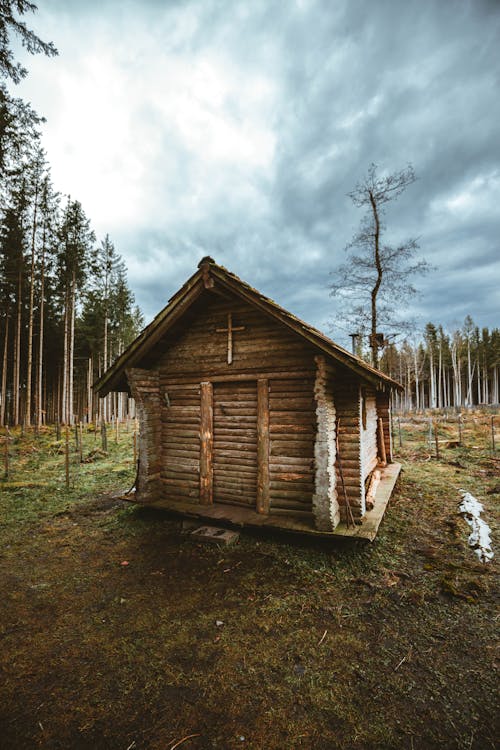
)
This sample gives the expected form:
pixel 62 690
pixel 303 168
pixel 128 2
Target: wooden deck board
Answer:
pixel 240 516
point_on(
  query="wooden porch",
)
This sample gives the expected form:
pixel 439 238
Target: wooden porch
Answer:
pixel 247 517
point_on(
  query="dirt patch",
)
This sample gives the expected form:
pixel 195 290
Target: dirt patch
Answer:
pixel 118 632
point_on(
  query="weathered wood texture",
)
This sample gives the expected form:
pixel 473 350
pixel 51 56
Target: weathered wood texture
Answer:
pixel 369 453
pixel 292 430
pixel 383 401
pixel 144 386
pixel 181 445
pixel 260 350
pixel 348 408
pixel 235 443
pixel 206 443
pixel 263 346
pixel 324 502
pixel 263 445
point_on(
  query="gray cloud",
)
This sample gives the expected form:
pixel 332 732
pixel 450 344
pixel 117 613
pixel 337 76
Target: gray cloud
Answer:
pixel 237 129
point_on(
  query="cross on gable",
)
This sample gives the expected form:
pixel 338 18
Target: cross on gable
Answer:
pixel 230 330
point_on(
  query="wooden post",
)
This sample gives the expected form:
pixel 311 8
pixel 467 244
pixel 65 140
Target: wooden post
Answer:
pixel 7 463
pixel 436 441
pixel 104 436
pixel 80 441
pixel 399 431
pixel 206 444
pixel 383 457
pixel 493 434
pixel 263 446
pixel 66 456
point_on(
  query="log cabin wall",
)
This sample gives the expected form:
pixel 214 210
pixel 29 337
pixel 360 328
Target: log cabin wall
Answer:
pixel 383 400
pixel 325 503
pixel 180 440
pixel 348 408
pixel 272 371
pixel 369 416
pixel 144 386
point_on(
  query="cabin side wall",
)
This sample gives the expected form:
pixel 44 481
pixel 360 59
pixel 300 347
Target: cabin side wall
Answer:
pixel 383 400
pixel 144 386
pixel 350 487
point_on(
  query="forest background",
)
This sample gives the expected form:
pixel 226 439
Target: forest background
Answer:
pixel 67 311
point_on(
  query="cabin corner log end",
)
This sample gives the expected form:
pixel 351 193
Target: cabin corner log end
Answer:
pixel 144 386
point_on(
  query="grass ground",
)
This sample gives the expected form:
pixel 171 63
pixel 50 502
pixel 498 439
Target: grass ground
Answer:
pixel 119 633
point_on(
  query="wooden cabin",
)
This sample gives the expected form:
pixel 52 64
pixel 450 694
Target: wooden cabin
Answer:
pixel 248 414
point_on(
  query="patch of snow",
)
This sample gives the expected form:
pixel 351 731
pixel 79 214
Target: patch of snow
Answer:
pixel 479 538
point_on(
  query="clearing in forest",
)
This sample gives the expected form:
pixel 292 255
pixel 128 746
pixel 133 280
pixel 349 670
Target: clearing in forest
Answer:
pixel 118 632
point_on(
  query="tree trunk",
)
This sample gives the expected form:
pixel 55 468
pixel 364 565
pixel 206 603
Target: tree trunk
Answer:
pixel 64 395
pixel 374 292
pixel 39 397
pixel 17 350
pixel 71 357
pixel 3 403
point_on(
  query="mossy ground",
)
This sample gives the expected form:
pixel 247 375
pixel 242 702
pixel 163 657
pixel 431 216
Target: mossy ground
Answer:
pixel 332 645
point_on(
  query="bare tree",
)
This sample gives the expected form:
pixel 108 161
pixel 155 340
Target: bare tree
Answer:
pixel 377 276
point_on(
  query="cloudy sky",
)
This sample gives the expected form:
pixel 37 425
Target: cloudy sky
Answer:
pixel 236 128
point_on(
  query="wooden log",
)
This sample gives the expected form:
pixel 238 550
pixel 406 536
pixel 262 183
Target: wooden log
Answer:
pixel 381 442
pixel 289 504
pixel 252 374
pixel 182 476
pixel 206 444
pixel 286 494
pixel 284 462
pixel 225 445
pixel 181 489
pixel 298 452
pixel 292 429
pixel 175 452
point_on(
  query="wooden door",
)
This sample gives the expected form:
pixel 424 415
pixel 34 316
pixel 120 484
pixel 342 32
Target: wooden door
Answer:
pixel 235 443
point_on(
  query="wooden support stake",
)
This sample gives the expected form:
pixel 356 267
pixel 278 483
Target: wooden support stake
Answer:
pixel 493 434
pixel 436 440
pixel 399 430
pixel 383 457
pixel 80 441
pixel 66 456
pixel 7 456
pixel 206 443
pixel 104 437
pixel 263 446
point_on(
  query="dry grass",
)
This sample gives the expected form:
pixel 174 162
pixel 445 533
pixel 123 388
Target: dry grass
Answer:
pixel 98 654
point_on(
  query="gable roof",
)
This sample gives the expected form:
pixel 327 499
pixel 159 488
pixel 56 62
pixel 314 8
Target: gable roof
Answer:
pixel 206 277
